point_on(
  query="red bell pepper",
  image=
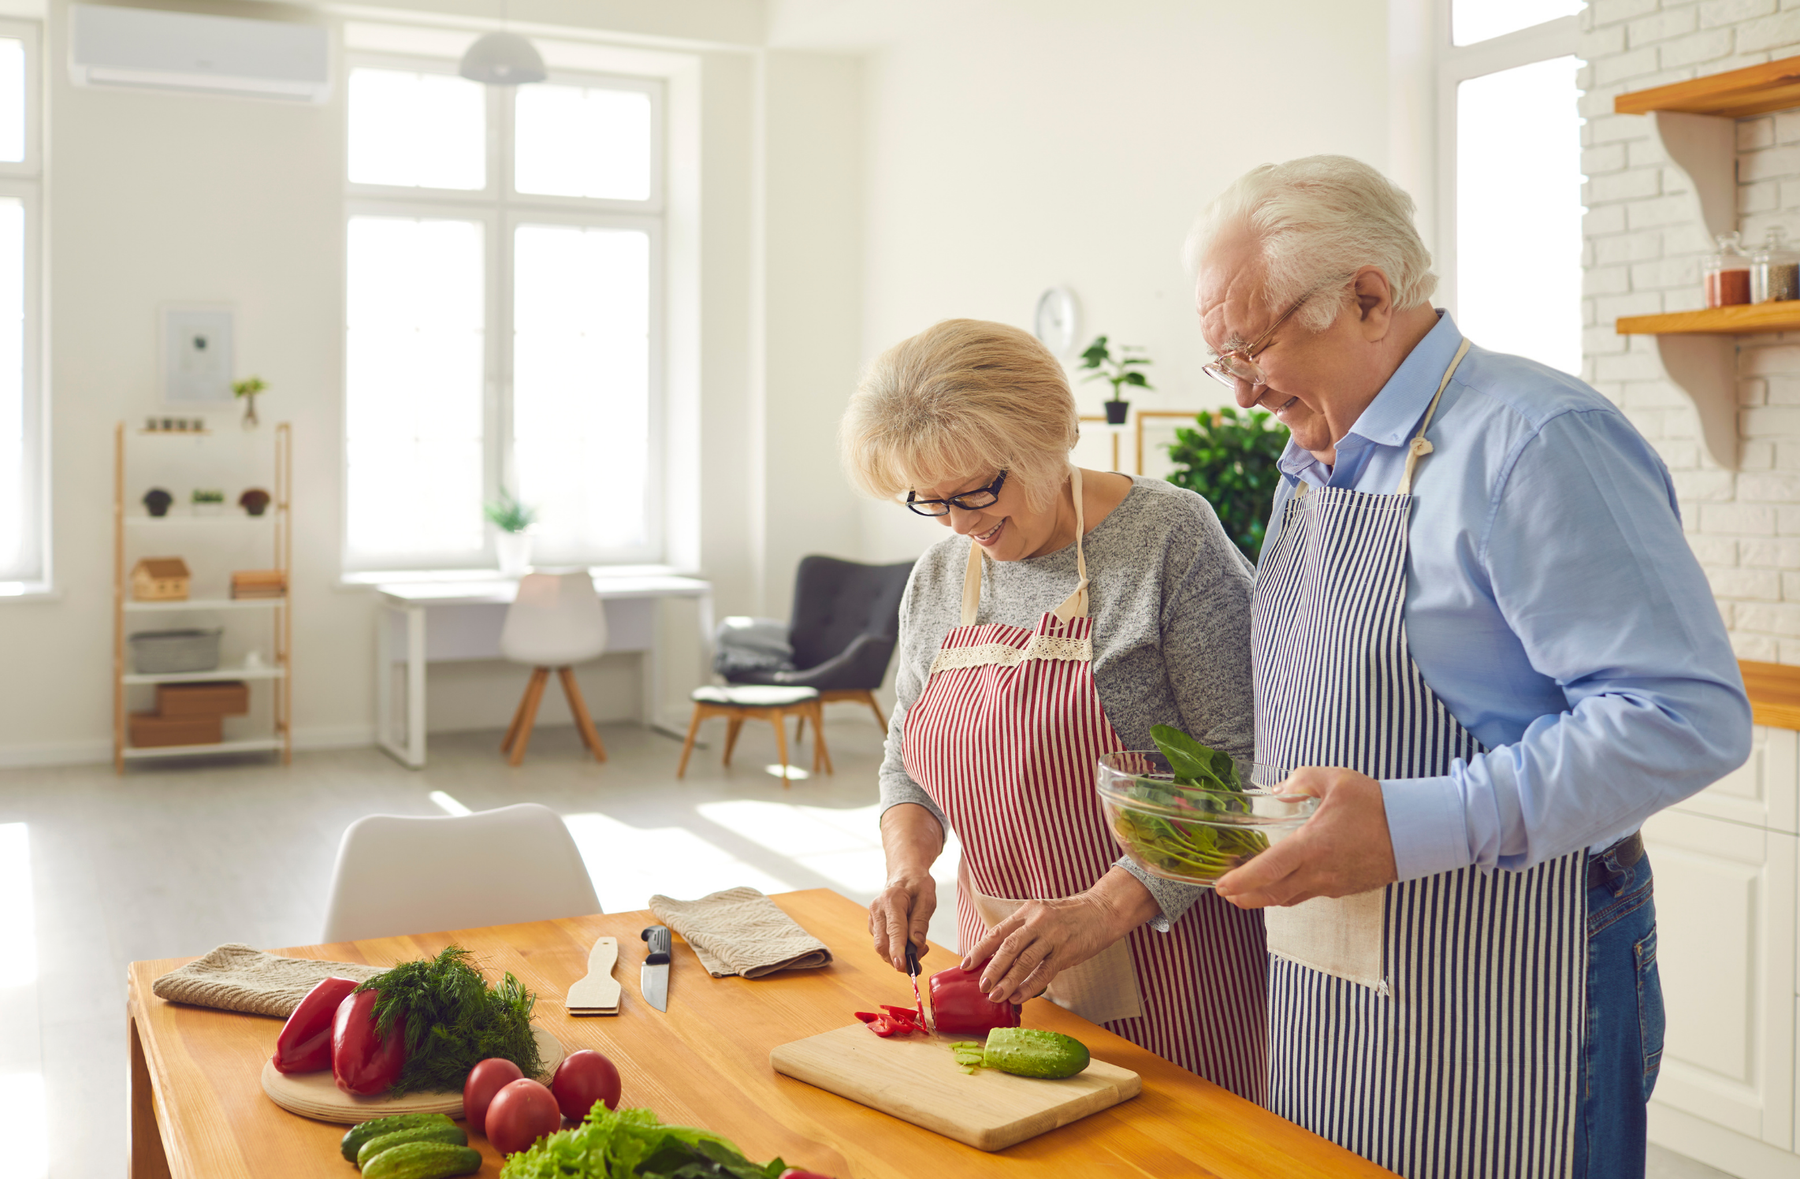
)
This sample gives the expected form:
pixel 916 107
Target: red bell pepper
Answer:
pixel 304 1045
pixel 958 1004
pixel 362 1061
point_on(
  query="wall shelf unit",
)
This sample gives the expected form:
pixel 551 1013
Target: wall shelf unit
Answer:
pixel 1696 123
pixel 277 674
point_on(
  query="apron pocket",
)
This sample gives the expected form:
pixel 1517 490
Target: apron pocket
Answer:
pixel 1338 936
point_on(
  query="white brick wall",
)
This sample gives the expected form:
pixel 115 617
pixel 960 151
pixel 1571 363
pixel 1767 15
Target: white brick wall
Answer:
pixel 1642 255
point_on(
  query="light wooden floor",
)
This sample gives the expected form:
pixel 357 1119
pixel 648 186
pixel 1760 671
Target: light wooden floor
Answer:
pixel 177 859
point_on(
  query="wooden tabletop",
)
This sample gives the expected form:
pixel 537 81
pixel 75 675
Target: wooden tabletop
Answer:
pixel 703 1063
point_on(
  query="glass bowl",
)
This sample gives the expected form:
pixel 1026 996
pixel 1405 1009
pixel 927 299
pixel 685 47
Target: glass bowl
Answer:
pixel 1191 834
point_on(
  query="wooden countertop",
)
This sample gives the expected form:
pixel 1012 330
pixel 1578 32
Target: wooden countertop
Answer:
pixel 1774 690
pixel 703 1063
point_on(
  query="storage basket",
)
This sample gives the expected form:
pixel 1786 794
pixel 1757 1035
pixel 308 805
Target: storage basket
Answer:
pixel 149 730
pixel 171 652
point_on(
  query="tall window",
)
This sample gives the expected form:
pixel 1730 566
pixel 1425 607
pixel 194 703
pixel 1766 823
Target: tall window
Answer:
pixel 1510 180
pixel 24 546
pixel 503 316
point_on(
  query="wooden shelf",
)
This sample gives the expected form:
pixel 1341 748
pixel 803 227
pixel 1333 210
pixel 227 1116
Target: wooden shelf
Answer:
pixel 1753 90
pixel 1774 690
pixel 202 677
pixel 190 518
pixel 253 745
pixel 204 604
pixel 1742 320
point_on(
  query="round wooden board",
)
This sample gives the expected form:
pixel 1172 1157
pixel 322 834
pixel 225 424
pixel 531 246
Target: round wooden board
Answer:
pixel 316 1095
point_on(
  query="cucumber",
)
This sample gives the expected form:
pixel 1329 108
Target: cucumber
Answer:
pixel 423 1160
pixel 362 1132
pixel 1032 1052
pixel 453 1134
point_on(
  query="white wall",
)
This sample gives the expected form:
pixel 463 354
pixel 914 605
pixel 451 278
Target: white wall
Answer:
pixel 1013 145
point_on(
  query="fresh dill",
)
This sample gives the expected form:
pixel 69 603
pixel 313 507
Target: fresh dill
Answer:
pixel 453 1020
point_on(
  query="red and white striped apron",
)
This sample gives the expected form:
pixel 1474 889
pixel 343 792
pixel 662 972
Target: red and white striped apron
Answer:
pixel 1006 738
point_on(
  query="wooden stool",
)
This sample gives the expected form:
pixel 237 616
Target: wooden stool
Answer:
pixel 741 702
pixel 850 695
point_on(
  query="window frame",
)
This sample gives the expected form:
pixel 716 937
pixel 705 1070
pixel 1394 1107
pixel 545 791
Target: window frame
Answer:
pixel 502 209
pixel 1454 65
pixel 24 180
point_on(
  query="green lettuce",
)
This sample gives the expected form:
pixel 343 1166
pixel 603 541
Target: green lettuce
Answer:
pixel 632 1144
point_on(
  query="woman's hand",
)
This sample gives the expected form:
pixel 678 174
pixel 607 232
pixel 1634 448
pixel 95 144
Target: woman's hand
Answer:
pixel 1042 939
pixel 912 840
pixel 901 914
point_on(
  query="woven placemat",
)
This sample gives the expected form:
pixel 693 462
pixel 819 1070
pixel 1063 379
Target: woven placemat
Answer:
pixel 243 978
pixel 741 931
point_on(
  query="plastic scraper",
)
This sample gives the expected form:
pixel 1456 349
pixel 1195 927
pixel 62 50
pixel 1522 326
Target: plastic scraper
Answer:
pixel 597 993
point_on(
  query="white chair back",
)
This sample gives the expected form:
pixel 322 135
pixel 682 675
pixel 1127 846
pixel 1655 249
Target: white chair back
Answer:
pixel 401 874
pixel 555 621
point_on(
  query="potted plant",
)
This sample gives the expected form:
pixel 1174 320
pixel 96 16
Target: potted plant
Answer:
pixel 1120 371
pixel 513 544
pixel 208 501
pixel 1229 457
pixel 248 388
pixel 254 501
pixel 157 501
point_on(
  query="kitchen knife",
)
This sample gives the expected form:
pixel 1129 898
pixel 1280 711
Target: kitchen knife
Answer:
pixel 653 978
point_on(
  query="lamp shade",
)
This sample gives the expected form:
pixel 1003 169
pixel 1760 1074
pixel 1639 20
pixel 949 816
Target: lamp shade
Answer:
pixel 502 59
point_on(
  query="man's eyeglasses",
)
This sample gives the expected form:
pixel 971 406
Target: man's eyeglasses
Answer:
pixel 968 501
pixel 1239 364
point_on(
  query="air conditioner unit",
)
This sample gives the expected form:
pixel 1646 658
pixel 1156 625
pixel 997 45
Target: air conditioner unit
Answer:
pixel 182 51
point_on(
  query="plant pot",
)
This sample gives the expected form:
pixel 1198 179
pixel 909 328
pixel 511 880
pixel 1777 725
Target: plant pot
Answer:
pixel 1116 411
pixel 209 508
pixel 514 551
pixel 157 501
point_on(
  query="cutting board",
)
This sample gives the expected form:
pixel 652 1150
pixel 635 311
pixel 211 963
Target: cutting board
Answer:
pixel 917 1080
pixel 316 1095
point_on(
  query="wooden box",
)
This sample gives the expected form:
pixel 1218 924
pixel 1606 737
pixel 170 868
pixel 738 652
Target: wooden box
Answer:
pixel 147 729
pixel 160 579
pixel 222 698
pixel 258 583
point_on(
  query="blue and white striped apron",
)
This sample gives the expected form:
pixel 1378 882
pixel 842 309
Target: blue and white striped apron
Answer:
pixel 1457 1053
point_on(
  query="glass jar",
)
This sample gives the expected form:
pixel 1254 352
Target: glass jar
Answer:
pixel 1774 270
pixel 1727 273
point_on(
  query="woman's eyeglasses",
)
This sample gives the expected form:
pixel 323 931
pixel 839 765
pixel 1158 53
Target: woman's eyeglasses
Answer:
pixel 968 501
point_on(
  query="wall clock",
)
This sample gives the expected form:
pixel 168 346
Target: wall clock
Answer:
pixel 1058 321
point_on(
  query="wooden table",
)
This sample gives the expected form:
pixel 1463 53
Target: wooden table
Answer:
pixel 194 1071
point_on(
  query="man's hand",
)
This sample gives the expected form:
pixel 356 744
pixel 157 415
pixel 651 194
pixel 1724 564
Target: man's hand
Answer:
pixel 1044 938
pixel 1344 849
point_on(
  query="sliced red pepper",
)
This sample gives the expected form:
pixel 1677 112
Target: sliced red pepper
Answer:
pixel 866 1016
pixel 905 1013
pixel 882 1026
pixel 304 1045
pixel 958 1004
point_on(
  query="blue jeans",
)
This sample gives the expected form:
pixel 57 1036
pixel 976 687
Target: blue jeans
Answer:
pixel 1622 1043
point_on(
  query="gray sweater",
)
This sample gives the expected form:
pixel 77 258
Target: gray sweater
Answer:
pixel 1170 598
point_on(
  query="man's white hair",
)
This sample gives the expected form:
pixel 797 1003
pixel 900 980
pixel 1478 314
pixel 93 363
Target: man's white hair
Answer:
pixel 1317 220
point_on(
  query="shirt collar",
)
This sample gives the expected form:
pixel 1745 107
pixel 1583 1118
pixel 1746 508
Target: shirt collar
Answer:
pixel 1392 417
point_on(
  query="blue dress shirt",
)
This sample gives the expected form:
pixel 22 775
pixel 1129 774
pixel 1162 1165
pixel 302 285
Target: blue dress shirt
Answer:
pixel 1552 603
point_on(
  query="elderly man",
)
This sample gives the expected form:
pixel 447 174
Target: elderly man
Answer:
pixel 1482 642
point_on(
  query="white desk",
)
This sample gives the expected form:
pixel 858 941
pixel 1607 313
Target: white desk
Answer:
pixel 466 621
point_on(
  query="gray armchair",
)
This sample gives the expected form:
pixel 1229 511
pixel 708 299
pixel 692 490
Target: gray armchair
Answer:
pixel 845 623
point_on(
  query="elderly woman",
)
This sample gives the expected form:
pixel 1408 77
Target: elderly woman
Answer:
pixel 1069 612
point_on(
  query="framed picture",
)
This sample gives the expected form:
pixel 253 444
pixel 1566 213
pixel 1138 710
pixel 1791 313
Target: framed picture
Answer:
pixel 1155 432
pixel 196 355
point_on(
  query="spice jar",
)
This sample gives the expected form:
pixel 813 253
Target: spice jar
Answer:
pixel 1774 270
pixel 1727 273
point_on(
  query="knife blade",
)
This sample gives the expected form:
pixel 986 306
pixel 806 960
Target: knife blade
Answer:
pixel 653 976
pixel 912 971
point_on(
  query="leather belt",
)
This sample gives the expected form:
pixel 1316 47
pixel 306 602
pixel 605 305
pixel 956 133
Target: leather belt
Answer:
pixel 1602 868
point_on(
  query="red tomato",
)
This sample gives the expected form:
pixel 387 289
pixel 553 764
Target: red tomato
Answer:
pixel 583 1078
pixel 520 1114
pixel 485 1080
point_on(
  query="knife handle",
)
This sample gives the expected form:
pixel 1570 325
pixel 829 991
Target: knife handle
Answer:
pixel 660 945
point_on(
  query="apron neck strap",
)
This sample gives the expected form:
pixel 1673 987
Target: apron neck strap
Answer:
pixel 1421 445
pixel 1073 606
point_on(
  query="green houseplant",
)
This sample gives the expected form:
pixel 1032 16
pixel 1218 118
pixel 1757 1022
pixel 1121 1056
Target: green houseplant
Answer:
pixel 248 388
pixel 513 544
pixel 1229 458
pixel 1120 371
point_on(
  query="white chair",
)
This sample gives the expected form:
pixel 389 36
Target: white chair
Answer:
pixel 402 874
pixel 555 621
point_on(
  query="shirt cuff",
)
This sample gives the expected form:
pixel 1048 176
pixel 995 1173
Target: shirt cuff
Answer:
pixel 1172 897
pixel 1425 823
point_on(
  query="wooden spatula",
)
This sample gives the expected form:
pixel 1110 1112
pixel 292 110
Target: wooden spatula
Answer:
pixel 597 993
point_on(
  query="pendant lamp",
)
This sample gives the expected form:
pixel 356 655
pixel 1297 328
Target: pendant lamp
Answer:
pixel 502 59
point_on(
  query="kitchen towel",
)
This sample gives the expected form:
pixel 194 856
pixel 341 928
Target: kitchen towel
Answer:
pixel 740 931
pixel 242 978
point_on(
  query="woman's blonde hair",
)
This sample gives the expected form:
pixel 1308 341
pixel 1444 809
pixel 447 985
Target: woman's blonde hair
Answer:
pixel 961 400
